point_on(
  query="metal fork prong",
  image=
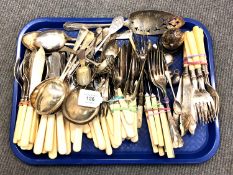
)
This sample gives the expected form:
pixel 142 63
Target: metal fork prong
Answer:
pixel 153 58
pixel 211 108
pixel 17 73
pixel 162 62
pixel 212 111
pixel 156 55
pixel 205 111
pixel 159 62
pixel 200 117
pixel 201 108
pixel 201 111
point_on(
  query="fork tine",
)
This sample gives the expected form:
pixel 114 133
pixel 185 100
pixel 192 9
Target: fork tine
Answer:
pixel 205 111
pixel 160 65
pixel 162 62
pixel 158 61
pixel 198 112
pixel 211 108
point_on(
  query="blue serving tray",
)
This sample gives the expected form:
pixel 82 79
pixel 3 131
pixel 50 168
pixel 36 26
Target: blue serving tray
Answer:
pixel 197 149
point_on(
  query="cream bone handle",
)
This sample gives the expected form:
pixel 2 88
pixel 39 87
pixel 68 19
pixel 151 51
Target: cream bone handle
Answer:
pixel 135 126
pixel 199 38
pixel 106 136
pixel 193 49
pixel 128 114
pixel 139 116
pixel 99 133
pixel 161 151
pixel 19 123
pixel 25 137
pixel 129 129
pixel 39 142
pixel 150 120
pixel 93 134
pixel 61 136
pixel 187 53
pixel 78 134
pixel 123 131
pixel 109 119
pixel 68 139
pixel 72 127
pixel 116 123
pixel 157 121
pixel 48 145
pixel 86 129
pixel 53 153
pixel 154 147
pixel 34 127
pixel 166 133
pixel 89 135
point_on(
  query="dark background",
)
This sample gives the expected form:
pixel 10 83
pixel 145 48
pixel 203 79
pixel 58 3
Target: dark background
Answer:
pixel 217 15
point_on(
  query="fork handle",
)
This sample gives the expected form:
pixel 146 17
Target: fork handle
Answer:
pixel 166 134
pixel 193 49
pixel 25 138
pixel 187 53
pixel 199 38
pixel 19 123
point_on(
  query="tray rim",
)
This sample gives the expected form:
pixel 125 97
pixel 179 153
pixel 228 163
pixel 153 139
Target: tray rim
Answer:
pixel 88 161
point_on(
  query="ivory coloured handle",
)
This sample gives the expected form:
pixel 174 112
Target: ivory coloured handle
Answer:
pixel 48 145
pixel 25 137
pixel 53 153
pixel 39 142
pixel 19 123
pixel 61 136
pixel 167 135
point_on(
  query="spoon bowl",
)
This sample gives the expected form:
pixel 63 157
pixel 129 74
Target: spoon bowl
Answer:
pixel 76 113
pixel 29 39
pixel 48 96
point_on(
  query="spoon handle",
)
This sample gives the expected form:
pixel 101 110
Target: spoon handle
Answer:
pixel 78 26
pixel 102 42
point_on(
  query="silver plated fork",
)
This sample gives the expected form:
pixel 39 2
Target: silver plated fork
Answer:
pixel 158 78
